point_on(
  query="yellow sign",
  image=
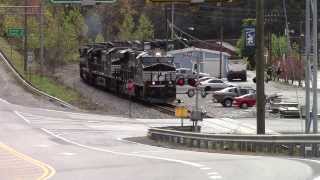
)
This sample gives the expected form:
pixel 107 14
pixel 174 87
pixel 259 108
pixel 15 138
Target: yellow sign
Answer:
pixel 181 112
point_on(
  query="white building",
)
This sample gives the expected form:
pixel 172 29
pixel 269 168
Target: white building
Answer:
pixel 209 60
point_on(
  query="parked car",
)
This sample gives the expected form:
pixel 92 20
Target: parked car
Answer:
pixel 245 101
pixel 206 78
pixel 213 85
pixel 226 96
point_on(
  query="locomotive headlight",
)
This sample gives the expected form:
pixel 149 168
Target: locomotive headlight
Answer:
pixel 158 53
pixel 170 82
pixel 153 83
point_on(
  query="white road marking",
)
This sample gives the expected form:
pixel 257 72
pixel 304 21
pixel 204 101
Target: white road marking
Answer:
pixel 4 101
pixel 205 168
pixel 41 146
pixel 213 173
pixel 68 154
pixel 215 177
pixel 122 154
pixel 22 117
pixel 150 151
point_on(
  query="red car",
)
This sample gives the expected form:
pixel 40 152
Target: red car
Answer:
pixel 245 101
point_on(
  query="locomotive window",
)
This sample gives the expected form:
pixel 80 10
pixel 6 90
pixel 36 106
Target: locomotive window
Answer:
pixel 153 60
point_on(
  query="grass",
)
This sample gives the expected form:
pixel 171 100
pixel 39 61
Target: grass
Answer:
pixel 44 83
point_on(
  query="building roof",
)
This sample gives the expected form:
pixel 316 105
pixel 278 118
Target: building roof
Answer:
pixel 189 49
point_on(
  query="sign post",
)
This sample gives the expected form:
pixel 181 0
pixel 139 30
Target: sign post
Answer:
pixel 130 88
pixel 30 57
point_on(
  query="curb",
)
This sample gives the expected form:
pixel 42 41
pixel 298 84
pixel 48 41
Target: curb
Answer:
pixel 27 84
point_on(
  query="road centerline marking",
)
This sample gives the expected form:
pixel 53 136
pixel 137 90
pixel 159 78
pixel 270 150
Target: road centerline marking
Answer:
pixel 48 171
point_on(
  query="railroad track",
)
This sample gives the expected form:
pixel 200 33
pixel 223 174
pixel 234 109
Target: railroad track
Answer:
pixel 165 108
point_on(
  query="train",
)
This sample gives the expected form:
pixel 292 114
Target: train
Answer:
pixel 113 65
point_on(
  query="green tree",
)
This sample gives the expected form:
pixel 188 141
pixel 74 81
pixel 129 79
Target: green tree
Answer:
pixel 127 28
pixel 99 38
pixel 279 46
pixel 145 30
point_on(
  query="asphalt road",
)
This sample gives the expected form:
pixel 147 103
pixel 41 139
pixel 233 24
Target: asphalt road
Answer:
pixel 39 141
pixel 88 146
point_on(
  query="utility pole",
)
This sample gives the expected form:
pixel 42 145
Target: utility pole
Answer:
pixel 41 11
pixel 172 20
pixel 221 40
pixel 221 46
pixel 315 66
pixel 307 66
pixel 260 67
pixel 25 35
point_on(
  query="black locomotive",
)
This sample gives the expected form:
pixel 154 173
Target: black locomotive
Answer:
pixel 112 65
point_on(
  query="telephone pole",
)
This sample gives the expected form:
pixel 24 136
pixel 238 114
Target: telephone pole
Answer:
pixel 25 35
pixel 307 66
pixel 260 67
pixel 41 11
pixel 315 66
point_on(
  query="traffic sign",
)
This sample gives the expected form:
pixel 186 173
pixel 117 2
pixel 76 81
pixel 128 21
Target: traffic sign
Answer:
pixel 80 1
pixel 16 32
pixel 30 58
pixel 250 36
pixel 130 86
pixel 181 112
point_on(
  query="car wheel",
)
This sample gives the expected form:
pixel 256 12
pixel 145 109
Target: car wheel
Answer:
pixel 204 94
pixel 207 88
pixel 244 106
pixel 227 103
pixel 191 93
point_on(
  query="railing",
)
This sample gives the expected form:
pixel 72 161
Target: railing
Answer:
pixel 305 145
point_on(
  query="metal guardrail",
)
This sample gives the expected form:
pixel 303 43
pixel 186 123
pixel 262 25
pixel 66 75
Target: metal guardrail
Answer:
pixel 305 145
pixel 28 85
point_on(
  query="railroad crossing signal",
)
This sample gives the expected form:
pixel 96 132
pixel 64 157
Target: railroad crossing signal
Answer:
pixel 80 1
pixel 130 86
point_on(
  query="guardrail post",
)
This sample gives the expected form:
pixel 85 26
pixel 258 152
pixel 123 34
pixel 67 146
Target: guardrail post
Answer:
pixel 221 145
pixel 210 145
pixel 291 149
pixel 182 140
pixel 189 142
pixel 196 143
pixel 302 150
pixel 203 144
pixel 176 140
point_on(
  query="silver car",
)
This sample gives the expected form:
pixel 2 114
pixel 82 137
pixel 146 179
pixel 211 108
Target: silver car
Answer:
pixel 214 85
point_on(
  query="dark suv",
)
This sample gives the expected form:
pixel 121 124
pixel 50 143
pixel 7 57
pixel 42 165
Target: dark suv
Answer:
pixel 227 95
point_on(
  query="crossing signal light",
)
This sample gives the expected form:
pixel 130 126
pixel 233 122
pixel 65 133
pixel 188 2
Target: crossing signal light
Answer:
pixel 192 82
pixel 180 82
